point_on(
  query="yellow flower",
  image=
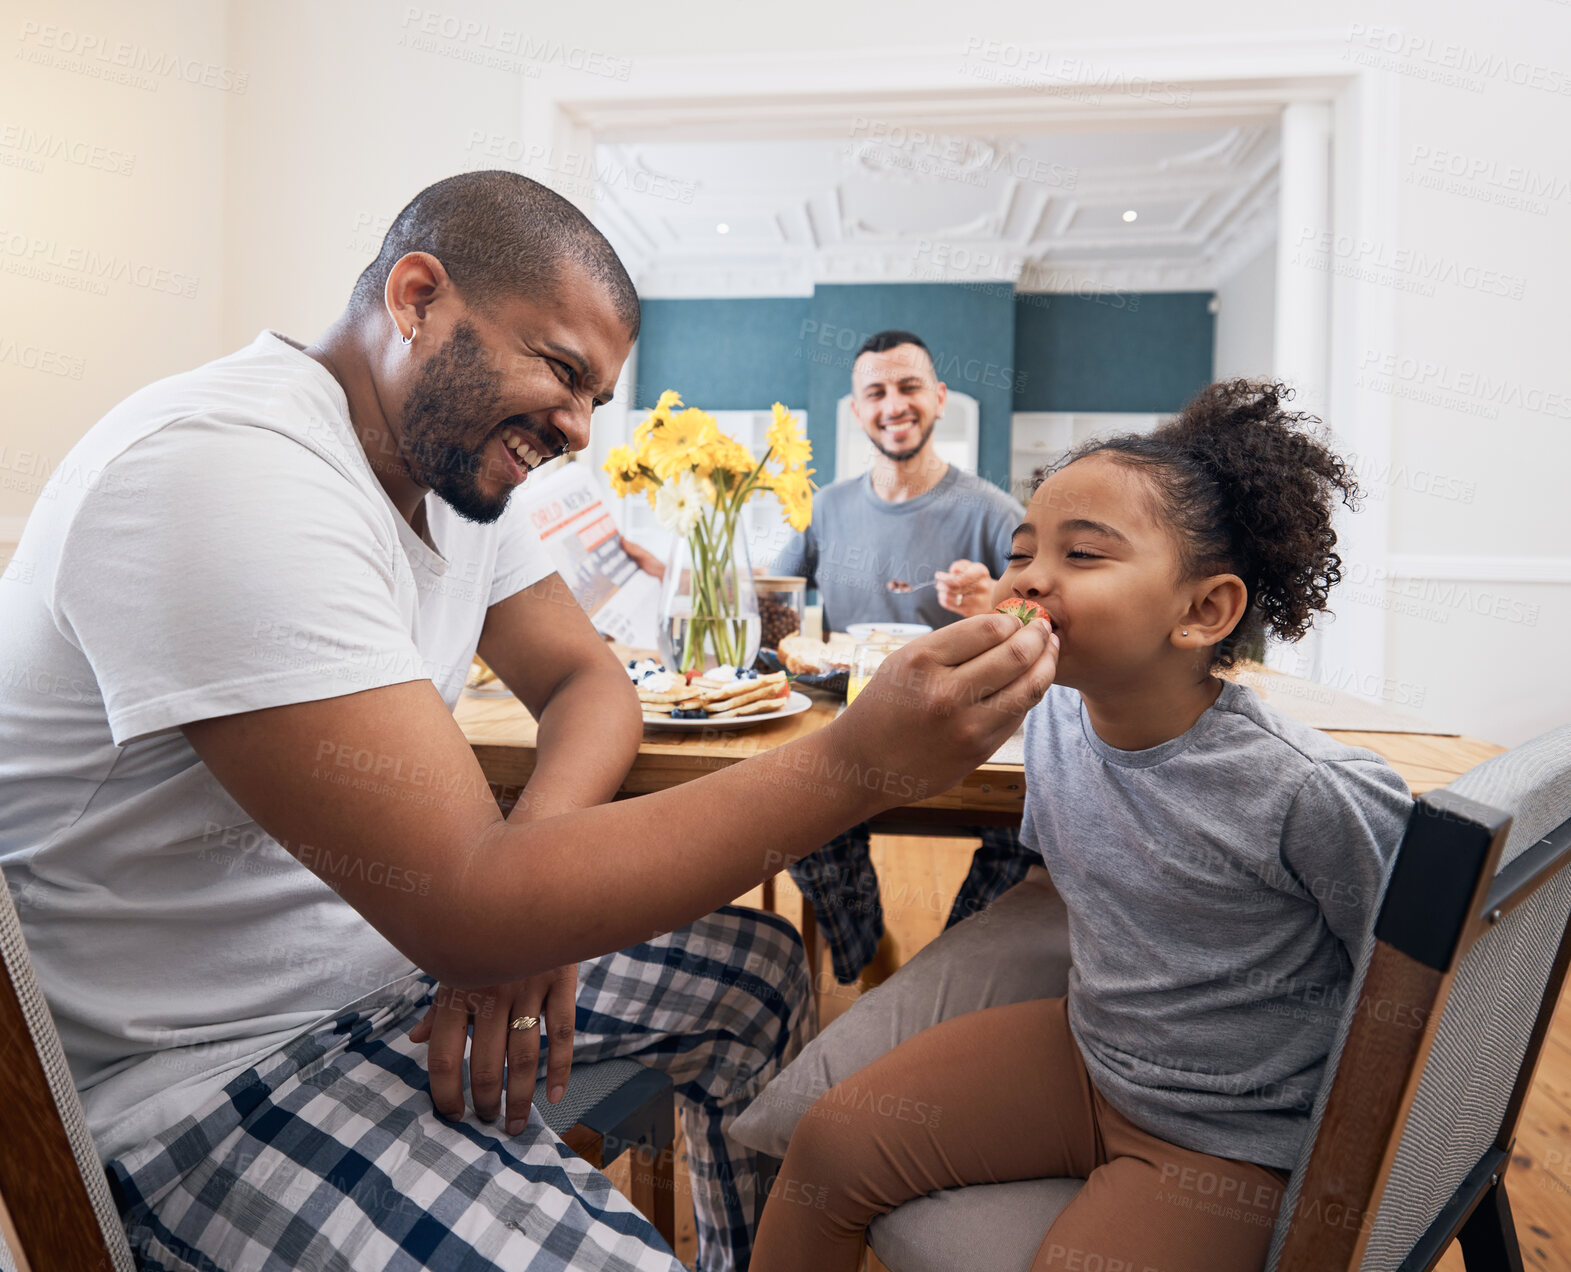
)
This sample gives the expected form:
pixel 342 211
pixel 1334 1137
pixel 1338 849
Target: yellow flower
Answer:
pixel 627 477
pixel 658 417
pixel 794 490
pixel 676 444
pixel 786 440
pixel 680 443
pixel 729 454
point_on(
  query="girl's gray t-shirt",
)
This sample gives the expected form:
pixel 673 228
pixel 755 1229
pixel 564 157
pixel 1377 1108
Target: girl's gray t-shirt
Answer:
pixel 1221 887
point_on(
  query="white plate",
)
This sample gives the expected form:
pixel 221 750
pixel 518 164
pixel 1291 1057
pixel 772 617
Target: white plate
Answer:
pixel 794 705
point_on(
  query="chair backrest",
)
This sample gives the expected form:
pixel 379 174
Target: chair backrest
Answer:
pixel 1449 1012
pixel 50 1176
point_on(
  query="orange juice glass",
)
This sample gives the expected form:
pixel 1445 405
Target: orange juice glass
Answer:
pixel 866 659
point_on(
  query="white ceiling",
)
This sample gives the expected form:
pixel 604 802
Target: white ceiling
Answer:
pixel 883 203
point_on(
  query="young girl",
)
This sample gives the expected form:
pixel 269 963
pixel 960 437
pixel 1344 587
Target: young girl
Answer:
pixel 1221 864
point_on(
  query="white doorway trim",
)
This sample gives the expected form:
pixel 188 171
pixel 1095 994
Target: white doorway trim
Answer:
pixel 967 88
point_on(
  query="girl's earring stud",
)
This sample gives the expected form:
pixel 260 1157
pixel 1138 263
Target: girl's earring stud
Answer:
pixel 1186 630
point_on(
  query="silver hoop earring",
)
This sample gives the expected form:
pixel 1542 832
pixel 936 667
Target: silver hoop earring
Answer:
pixel 410 338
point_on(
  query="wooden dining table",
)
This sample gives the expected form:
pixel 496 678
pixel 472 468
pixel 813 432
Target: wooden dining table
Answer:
pixel 502 734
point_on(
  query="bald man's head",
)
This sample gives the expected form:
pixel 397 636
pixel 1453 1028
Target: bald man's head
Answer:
pixel 492 323
pixel 498 235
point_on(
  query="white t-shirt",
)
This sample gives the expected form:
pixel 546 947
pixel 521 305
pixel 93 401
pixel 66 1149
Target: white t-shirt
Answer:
pixel 217 543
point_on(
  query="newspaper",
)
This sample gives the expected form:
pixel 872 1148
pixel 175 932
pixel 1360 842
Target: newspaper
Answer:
pixel 566 511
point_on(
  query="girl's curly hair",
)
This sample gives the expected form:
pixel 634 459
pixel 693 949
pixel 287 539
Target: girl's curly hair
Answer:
pixel 1247 488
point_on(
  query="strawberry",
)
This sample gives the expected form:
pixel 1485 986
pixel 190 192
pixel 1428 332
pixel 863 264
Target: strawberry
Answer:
pixel 1024 610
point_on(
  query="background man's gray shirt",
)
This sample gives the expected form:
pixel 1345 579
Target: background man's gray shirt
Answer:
pixel 857 542
pixel 1220 890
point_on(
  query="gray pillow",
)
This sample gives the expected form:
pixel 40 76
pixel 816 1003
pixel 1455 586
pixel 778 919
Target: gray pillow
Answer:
pixel 1015 950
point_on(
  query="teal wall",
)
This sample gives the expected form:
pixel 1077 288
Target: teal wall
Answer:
pixel 1116 351
pixel 969 328
pixel 724 355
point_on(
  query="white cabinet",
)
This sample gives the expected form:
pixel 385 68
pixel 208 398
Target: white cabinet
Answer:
pixel 1042 438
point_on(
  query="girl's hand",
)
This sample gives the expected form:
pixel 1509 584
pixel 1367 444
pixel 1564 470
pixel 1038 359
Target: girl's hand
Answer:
pixel 965 588
pixel 497 1046
pixel 943 703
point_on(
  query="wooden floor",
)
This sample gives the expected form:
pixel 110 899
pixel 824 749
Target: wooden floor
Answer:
pixel 919 878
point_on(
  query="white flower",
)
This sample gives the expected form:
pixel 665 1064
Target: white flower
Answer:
pixel 679 503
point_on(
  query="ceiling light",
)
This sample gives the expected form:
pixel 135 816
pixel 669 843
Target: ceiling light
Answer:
pixel 723 228
pixel 1131 215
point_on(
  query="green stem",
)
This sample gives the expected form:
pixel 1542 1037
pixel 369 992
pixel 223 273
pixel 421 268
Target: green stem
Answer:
pixel 712 549
pixel 706 622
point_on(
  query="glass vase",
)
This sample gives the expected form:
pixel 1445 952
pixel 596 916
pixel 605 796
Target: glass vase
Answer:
pixel 708 603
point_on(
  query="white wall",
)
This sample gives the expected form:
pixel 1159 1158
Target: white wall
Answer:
pixel 345 121
pixel 1246 319
pixel 1479 490
pixel 111 218
pixel 275 199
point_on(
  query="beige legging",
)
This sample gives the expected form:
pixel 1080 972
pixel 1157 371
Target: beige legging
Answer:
pixel 998 1095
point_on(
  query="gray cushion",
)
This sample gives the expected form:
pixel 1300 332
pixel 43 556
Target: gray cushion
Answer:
pixel 1016 949
pixel 997 1226
pixel 587 1085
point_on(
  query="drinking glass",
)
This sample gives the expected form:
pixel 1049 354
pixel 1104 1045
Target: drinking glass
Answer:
pixel 866 659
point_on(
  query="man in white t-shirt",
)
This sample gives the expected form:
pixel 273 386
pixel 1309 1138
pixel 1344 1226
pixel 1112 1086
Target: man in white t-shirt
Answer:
pixel 245 835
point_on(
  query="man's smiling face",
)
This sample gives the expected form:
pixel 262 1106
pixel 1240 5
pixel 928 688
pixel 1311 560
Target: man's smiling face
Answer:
pixel 505 387
pixel 897 398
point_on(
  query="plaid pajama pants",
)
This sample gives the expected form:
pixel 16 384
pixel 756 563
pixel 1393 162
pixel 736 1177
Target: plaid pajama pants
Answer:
pixel 841 885
pixel 327 1155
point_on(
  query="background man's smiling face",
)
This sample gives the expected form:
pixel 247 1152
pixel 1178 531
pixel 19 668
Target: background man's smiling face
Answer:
pixel 897 398
pixel 506 386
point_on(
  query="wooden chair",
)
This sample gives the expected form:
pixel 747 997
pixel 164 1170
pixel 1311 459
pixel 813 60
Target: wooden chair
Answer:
pixel 53 1185
pixel 51 1180
pixel 1411 1136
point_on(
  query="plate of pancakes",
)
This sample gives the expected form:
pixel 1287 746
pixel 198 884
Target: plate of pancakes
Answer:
pixel 720 699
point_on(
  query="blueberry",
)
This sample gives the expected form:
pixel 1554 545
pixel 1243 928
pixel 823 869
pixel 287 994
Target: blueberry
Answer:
pixel 689 713
pixel 750 674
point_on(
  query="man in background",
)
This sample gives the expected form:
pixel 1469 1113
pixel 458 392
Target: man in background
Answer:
pixel 942 536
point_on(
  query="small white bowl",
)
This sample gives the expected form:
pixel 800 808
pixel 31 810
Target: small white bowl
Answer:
pixel 897 631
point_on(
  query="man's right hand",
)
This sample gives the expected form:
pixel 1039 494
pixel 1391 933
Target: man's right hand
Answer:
pixel 942 705
pixel 416 843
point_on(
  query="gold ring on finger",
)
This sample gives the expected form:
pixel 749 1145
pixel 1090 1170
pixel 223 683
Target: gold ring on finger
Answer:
pixel 525 1022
